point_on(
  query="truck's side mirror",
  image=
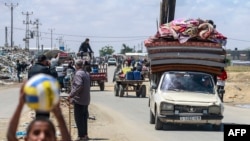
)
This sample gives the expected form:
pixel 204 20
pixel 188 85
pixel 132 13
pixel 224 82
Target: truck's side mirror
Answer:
pixel 153 87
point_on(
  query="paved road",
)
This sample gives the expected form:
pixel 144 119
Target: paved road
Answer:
pixel 135 113
pixel 8 101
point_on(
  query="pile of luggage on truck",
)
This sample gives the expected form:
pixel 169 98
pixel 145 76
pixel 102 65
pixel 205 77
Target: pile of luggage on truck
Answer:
pixel 184 55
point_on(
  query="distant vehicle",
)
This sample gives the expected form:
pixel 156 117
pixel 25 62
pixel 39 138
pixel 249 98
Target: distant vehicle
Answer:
pixel 112 61
pixel 98 75
pixel 98 60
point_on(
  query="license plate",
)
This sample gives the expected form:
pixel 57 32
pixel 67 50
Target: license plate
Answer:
pixel 191 118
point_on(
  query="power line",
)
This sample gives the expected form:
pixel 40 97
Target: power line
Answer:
pixel 239 40
pixel 115 37
pixel 101 41
pixel 96 36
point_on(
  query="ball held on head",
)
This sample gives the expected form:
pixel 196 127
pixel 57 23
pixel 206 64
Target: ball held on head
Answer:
pixel 42 92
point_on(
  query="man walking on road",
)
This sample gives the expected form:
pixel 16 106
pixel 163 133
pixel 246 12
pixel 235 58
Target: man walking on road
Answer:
pixel 221 80
pixel 80 96
pixel 19 70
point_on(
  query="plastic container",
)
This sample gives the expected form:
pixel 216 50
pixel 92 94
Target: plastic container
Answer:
pixel 95 70
pixel 137 75
pixel 129 75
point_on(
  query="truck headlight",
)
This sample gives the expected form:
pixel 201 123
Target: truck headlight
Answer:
pixel 166 109
pixel 214 109
pixel 167 106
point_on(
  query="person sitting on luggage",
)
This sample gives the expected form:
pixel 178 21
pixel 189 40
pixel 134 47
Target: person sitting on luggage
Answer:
pixel 124 70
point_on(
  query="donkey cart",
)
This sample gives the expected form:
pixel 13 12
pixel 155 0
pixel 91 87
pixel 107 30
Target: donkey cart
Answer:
pixel 137 86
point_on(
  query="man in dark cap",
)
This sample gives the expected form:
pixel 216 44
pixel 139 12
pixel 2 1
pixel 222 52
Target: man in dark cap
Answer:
pixel 41 66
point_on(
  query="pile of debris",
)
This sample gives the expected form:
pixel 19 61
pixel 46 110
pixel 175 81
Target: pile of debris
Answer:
pixel 8 58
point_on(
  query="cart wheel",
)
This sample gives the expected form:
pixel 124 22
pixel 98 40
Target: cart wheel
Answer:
pixel 121 91
pixel 138 92
pixel 101 86
pixel 143 91
pixel 116 89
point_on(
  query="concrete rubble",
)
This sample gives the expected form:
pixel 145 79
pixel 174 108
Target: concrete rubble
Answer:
pixel 8 58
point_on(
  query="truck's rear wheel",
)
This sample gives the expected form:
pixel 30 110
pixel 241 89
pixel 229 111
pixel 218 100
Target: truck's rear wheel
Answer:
pixel 121 91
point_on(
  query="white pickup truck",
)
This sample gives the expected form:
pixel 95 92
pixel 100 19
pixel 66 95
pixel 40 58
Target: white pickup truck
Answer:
pixel 184 97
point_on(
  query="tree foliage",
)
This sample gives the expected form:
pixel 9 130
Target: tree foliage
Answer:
pixel 126 49
pixel 139 51
pixel 107 50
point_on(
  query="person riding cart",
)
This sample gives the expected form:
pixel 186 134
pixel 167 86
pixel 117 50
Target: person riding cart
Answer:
pixel 85 48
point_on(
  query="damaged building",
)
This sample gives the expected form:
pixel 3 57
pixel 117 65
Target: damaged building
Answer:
pixel 8 58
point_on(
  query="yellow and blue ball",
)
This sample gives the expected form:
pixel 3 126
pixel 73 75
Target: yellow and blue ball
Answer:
pixel 42 92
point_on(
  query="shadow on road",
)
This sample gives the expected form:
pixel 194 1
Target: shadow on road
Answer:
pixel 187 127
pixel 98 139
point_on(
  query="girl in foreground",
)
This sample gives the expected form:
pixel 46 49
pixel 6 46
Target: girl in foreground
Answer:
pixel 40 129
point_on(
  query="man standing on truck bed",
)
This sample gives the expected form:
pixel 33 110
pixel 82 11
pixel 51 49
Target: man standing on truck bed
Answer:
pixel 85 47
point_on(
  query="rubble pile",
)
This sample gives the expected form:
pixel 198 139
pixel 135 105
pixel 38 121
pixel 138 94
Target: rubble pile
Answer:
pixel 8 72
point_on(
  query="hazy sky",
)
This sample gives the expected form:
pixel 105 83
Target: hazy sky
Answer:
pixel 114 22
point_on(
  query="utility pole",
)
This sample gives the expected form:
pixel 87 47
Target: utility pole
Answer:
pixel 141 47
pixel 11 7
pixel 37 23
pixel 6 37
pixel 27 34
pixel 60 43
pixel 51 33
pixel 167 11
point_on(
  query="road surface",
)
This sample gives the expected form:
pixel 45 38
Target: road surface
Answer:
pixel 127 118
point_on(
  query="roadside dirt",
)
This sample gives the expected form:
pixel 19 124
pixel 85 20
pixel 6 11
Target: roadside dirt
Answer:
pixel 237 88
pixel 102 126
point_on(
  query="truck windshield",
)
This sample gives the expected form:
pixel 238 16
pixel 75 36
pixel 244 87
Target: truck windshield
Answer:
pixel 191 81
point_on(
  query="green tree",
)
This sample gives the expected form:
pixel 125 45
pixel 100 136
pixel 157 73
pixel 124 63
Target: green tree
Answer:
pixel 126 49
pixel 107 50
pixel 139 51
